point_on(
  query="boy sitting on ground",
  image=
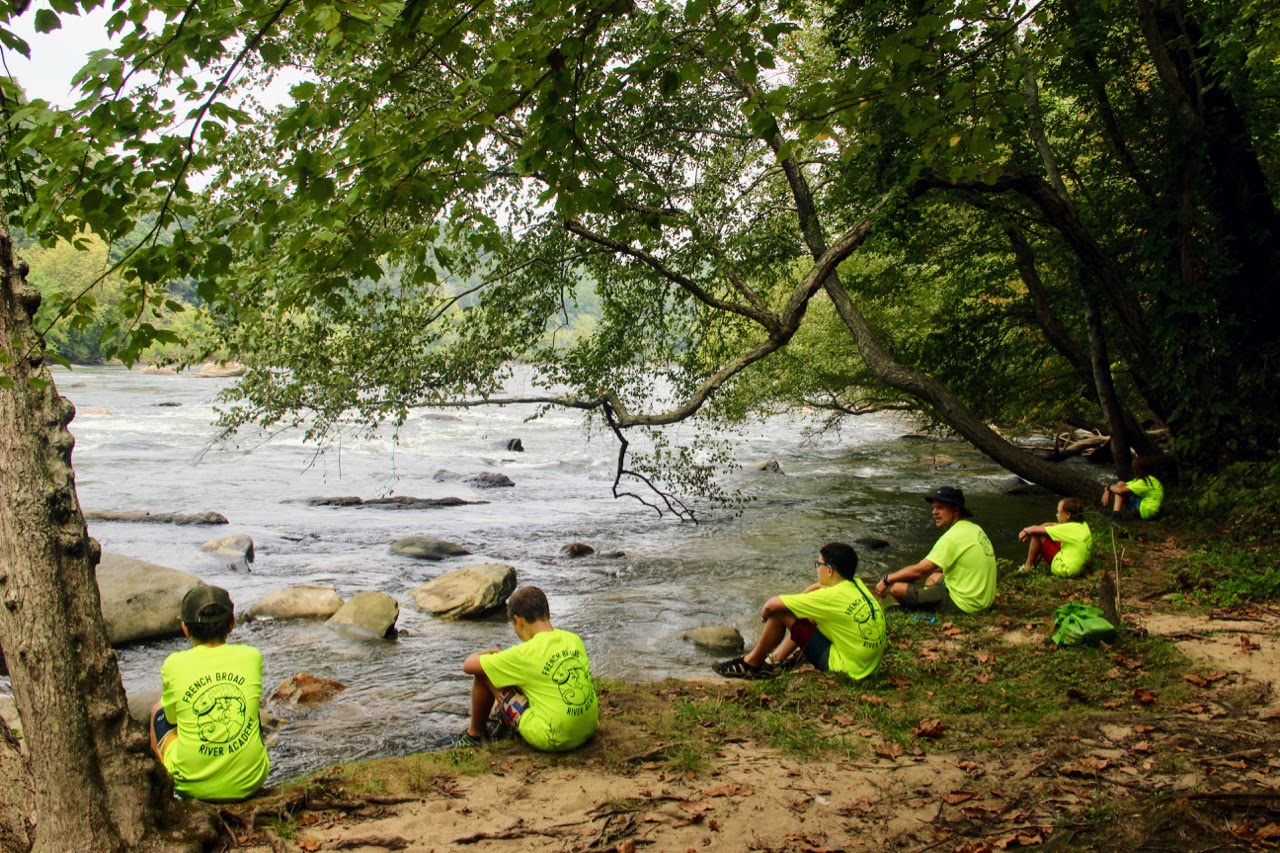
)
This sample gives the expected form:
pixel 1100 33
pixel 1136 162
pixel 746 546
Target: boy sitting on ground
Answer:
pixel 837 624
pixel 542 686
pixel 1066 545
pixel 205 728
pixel 1141 495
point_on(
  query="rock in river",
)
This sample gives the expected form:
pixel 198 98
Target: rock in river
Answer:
pixel 297 602
pixel 307 689
pixel 467 592
pixel 426 548
pixel 717 638
pixel 140 600
pixel 239 546
pixel 370 615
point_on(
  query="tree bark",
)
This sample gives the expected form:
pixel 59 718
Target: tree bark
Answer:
pixel 15 794
pixel 95 785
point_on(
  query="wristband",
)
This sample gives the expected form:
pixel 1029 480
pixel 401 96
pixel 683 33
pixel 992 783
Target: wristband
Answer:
pixel 884 579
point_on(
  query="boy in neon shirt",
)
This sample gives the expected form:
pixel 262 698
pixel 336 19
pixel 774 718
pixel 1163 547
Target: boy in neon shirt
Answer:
pixel 836 623
pixel 1066 545
pixel 541 686
pixel 1141 495
pixel 205 728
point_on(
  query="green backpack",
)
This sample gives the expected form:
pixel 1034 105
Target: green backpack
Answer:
pixel 1076 624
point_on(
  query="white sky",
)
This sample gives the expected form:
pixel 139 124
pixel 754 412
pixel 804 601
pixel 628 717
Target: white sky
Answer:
pixel 55 56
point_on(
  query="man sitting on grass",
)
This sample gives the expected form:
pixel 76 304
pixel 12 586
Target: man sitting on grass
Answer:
pixel 836 623
pixel 542 686
pixel 205 728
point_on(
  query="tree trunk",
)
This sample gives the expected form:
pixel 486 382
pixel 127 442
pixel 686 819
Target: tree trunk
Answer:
pixel 925 388
pixel 15 794
pixel 95 785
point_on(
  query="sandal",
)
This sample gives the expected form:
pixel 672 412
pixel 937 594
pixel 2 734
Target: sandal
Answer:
pixel 467 741
pixel 785 665
pixel 739 668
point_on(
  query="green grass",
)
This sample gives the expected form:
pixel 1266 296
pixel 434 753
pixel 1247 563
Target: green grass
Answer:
pixel 993 680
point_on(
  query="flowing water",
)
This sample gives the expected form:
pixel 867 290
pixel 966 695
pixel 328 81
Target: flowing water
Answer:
pixel 143 441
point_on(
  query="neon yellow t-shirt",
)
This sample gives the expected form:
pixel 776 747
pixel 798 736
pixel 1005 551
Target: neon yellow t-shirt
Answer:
pixel 1150 492
pixel 851 618
pixel 551 669
pixel 212 694
pixel 968 564
pixel 1077 545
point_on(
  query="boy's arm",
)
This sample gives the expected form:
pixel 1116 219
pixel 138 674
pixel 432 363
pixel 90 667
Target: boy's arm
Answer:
pixel 773 607
pixel 472 666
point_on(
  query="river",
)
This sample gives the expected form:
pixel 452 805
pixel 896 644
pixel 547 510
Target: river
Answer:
pixel 143 441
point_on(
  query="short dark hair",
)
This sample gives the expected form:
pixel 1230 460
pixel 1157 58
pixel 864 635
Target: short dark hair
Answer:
pixel 840 557
pixel 209 632
pixel 529 603
pixel 1074 508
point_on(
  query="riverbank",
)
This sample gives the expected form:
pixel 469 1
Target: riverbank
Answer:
pixel 978 735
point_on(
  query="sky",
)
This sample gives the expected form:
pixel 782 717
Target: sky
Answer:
pixel 56 56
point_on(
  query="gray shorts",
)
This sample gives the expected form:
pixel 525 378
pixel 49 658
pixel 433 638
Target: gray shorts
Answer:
pixel 932 599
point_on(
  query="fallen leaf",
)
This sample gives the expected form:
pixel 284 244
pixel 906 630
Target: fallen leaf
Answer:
pixel 1141 729
pixel 1196 680
pixel 1143 747
pixel 1114 674
pixel 1191 707
pixel 876 701
pixel 1248 646
pixel 891 751
pixel 1214 677
pixel 1237 765
pixel 985 677
pixel 952 632
pixel 983 657
pixel 1268 832
pixel 930 728
pixel 867 732
pixel 1077 694
pixel 1112 705
pixel 915 804
pixel 845 721
pixel 1145 696
pixel 310 845
pixel 627 846
pixel 955 798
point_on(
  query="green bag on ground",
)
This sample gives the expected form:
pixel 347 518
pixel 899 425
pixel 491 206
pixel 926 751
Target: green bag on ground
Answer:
pixel 1076 624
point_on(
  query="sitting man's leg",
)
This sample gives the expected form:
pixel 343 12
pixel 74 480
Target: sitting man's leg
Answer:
pixel 812 642
pixel 751 665
pixel 929 595
pixel 163 733
pixel 1041 547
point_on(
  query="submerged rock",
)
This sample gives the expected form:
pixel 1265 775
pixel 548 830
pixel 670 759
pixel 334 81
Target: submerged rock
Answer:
pixel 468 592
pixel 426 548
pixel 140 600
pixel 369 615
pixel 872 542
pixel 142 515
pixel 577 549
pixel 718 638
pixel 941 462
pixel 515 445
pixel 298 602
pixel 306 689
pixel 768 466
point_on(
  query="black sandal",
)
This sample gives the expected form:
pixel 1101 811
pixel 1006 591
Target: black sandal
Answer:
pixel 738 668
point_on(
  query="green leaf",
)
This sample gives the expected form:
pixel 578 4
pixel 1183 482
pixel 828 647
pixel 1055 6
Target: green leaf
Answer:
pixel 47 21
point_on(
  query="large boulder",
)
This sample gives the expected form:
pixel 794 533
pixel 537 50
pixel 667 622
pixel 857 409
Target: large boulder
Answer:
pixel 306 689
pixel 143 515
pixel 426 548
pixel 577 549
pixel 140 600
pixel 370 615
pixel 468 592
pixel 717 638
pixel 297 602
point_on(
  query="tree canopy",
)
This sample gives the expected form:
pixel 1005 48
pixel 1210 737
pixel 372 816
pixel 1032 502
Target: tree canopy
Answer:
pixel 1029 214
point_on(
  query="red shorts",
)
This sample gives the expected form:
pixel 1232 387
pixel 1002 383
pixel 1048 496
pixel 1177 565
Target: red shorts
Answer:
pixel 1049 549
